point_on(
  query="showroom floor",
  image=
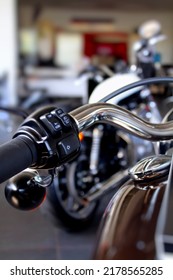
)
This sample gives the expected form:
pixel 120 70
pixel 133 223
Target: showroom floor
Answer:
pixel 30 235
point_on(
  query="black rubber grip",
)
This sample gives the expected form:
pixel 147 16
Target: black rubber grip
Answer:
pixel 15 156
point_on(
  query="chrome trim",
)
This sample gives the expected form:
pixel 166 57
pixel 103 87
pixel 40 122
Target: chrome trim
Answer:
pixel 150 167
pixel 99 189
pixel 167 116
pixel 164 233
pixel 103 188
pixel 90 114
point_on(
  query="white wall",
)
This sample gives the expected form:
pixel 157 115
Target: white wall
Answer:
pixel 8 49
pixel 125 22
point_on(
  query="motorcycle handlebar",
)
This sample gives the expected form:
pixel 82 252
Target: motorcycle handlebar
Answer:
pixel 90 114
pixel 49 138
pixel 15 156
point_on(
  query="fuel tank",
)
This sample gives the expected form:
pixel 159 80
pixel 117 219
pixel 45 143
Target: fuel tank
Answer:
pixel 128 227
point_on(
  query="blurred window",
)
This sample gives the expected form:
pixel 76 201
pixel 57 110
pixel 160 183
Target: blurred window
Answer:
pixel 69 49
pixel 28 41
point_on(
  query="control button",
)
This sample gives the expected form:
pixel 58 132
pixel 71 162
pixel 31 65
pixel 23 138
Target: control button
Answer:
pixel 56 126
pixel 49 116
pixel 68 145
pixel 66 120
pixel 59 112
pixel 52 123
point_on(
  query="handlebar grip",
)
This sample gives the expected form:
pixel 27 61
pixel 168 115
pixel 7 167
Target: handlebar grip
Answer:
pixel 16 155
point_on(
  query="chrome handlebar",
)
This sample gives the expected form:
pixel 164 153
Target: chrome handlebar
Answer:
pixel 90 114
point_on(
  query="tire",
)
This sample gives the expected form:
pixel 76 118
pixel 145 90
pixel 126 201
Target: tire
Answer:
pixel 55 208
